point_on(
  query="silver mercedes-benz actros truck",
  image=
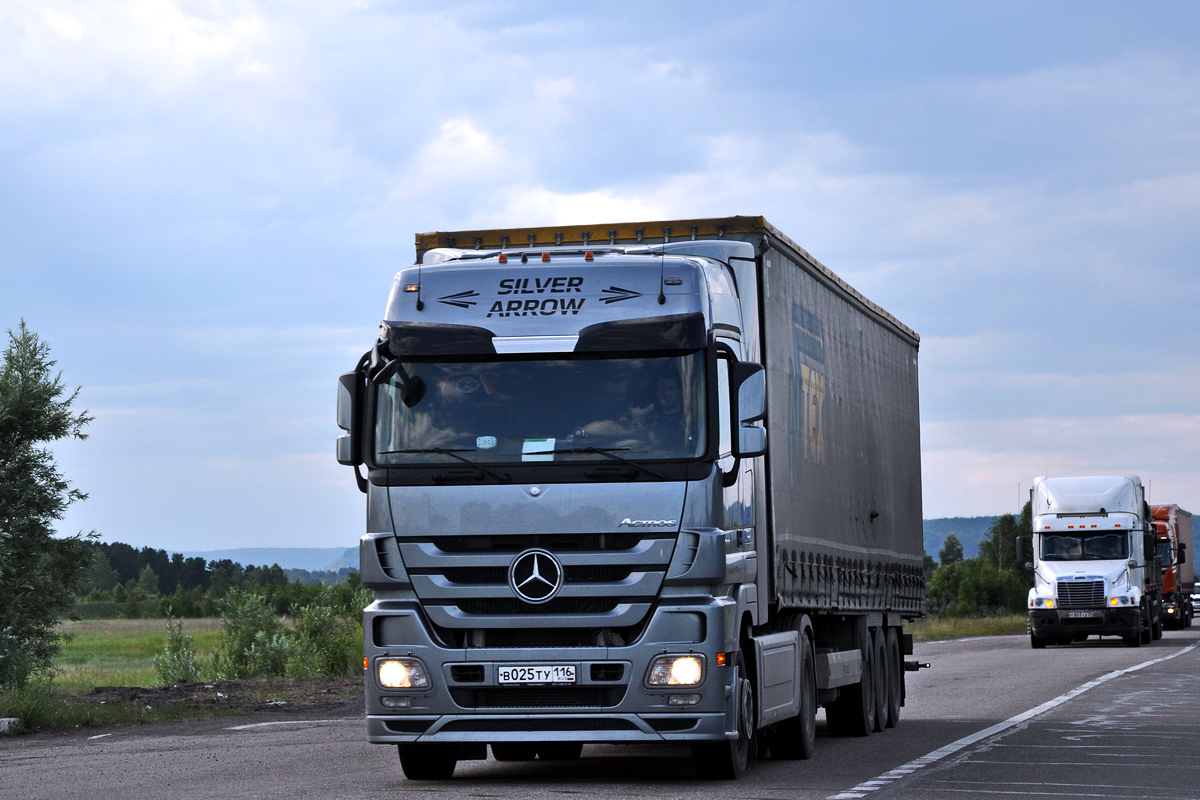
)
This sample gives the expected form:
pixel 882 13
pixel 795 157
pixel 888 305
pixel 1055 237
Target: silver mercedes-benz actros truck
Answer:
pixel 652 482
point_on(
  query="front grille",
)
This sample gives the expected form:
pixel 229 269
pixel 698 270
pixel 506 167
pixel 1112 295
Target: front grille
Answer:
pixel 1080 594
pixel 609 582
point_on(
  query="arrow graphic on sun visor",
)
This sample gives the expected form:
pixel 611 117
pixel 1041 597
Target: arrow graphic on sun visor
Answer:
pixel 460 300
pixel 617 294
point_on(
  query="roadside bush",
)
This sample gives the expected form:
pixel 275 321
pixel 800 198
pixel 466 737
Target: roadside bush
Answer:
pixel 251 644
pixel 177 662
pixel 322 641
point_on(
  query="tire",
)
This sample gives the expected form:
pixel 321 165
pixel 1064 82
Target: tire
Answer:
pixel 796 738
pixel 1156 629
pixel 853 713
pixel 1146 634
pixel 727 760
pixel 880 678
pixel 1036 643
pixel 895 676
pixel 428 762
pixel 514 751
pixel 559 751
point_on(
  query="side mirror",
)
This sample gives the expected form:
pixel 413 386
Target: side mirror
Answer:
pixel 1021 552
pixel 349 418
pixel 750 388
pixel 1182 553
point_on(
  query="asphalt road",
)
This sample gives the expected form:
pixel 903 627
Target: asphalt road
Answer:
pixel 991 718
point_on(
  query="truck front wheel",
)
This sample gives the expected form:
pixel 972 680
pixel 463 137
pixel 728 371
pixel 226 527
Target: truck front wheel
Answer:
pixel 428 762
pixel 728 759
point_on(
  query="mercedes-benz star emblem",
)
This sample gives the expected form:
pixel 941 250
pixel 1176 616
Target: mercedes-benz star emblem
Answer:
pixel 536 576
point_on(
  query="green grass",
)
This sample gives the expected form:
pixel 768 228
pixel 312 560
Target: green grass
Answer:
pixel 105 652
pixel 931 628
pixel 120 652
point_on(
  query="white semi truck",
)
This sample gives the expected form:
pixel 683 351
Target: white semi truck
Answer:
pixel 1096 572
pixel 649 482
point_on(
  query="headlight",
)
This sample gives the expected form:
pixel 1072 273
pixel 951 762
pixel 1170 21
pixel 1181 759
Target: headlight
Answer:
pixel 680 670
pixel 401 673
pixel 1043 602
pixel 1119 600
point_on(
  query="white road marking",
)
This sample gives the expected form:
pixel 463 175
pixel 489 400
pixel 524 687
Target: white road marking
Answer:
pixel 937 755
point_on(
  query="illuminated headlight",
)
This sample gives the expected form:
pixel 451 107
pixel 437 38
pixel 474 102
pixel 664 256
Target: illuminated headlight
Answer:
pixel 401 673
pixel 1119 600
pixel 1043 602
pixel 685 670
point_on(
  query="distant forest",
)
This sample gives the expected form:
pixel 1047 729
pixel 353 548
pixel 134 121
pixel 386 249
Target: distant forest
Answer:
pixel 125 581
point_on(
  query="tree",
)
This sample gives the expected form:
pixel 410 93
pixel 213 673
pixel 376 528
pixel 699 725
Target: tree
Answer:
pixel 39 572
pixel 952 550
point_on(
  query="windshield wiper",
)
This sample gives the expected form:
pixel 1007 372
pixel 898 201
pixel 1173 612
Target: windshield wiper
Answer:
pixel 453 453
pixel 608 452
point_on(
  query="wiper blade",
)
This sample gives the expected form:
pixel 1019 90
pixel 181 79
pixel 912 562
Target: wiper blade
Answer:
pixel 608 452
pixel 453 453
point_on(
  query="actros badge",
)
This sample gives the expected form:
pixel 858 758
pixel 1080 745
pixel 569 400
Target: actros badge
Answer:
pixel 536 576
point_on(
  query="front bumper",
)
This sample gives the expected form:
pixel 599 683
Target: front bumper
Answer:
pixel 1059 623
pixel 609 702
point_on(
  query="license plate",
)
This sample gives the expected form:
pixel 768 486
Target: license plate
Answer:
pixel 526 674
pixel 1082 614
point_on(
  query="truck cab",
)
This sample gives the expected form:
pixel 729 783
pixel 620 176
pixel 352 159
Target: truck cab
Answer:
pixel 1094 562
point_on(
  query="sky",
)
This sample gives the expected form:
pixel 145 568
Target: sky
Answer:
pixel 202 205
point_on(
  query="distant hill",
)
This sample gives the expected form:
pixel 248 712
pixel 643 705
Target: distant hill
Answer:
pixel 970 530
pixel 313 559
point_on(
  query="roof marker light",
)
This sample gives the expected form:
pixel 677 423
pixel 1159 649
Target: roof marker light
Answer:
pixel 502 258
pixel 589 256
pixel 545 257
pixel 412 287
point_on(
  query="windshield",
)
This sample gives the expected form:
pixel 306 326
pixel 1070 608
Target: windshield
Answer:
pixel 543 408
pixel 1098 546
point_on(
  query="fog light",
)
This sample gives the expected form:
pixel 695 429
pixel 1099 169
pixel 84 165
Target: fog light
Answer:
pixel 396 702
pixel 676 671
pixel 401 673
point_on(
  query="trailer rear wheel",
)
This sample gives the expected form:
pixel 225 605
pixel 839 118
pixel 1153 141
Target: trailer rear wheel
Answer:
pixel 728 759
pixel 853 713
pixel 428 762
pixel 881 678
pixel 895 677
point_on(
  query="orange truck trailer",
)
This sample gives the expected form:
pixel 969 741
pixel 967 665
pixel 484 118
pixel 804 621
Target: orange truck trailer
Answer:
pixel 1173 538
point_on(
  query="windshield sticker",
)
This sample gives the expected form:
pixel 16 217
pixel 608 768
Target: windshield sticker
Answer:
pixel 537 450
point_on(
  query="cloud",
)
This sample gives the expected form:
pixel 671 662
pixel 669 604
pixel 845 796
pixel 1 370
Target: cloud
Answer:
pixel 986 466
